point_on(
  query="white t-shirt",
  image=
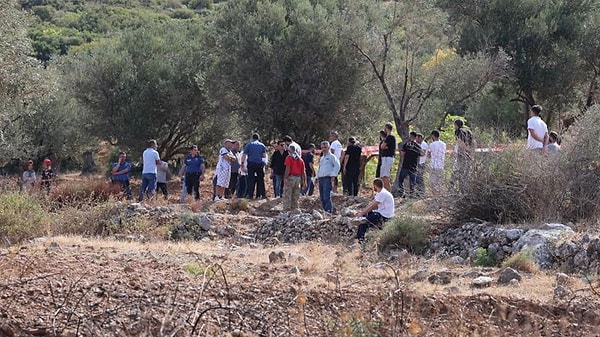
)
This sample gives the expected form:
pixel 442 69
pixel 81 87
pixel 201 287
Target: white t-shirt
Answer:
pixel 438 155
pixel 223 164
pixel 536 124
pixel 423 158
pixel 161 174
pixel 336 148
pixel 386 203
pixel 150 156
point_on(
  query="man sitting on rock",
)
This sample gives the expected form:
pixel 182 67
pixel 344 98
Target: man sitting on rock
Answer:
pixel 378 211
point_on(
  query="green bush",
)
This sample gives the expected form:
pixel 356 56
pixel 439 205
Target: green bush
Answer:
pixel 522 261
pixel 483 258
pixel 404 232
pixel 21 217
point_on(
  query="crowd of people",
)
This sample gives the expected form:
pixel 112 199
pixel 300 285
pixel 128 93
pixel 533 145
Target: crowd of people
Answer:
pixel 240 172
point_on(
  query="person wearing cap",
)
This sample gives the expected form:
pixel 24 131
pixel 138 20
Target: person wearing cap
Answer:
pixel 329 166
pixel 120 171
pixel 29 178
pixel 351 167
pixel 295 179
pixel 421 165
pixel 192 172
pixel 223 170
pixel 151 160
pixel 337 149
pixel 253 161
pixel 47 175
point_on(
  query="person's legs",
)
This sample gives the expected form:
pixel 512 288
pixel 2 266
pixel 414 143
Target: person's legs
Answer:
pixel 230 192
pixel 143 188
pixel 196 186
pixel 295 191
pixel 386 171
pixel 325 187
pixel 278 188
pixel 125 187
pixel 242 186
pixel 412 182
pixel 151 185
pixel 260 183
pixel 353 186
pixel 420 180
pixel 163 189
pixel 252 179
pixel 286 199
pixel 183 193
pixel 401 177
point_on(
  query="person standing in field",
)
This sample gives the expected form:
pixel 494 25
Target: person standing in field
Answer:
pixel 329 166
pixel 437 159
pixel 28 177
pixel 387 151
pixel 351 167
pixel 295 179
pixel 121 169
pixel 537 130
pixel 47 175
pixel 151 160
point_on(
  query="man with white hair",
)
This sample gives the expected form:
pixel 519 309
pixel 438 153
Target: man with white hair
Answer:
pixel 329 166
pixel 337 149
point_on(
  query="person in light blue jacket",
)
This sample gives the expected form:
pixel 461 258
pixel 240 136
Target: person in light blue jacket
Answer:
pixel 329 166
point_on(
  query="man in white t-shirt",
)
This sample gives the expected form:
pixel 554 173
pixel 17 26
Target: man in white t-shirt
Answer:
pixel 377 211
pixel 336 148
pixel 437 158
pixel 421 165
pixel 151 160
pixel 537 130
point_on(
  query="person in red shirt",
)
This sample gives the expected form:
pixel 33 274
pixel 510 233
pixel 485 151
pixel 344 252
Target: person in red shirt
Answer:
pixel 294 178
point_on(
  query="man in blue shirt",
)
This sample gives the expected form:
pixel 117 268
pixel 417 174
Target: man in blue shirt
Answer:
pixel 192 172
pixel 120 174
pixel 151 160
pixel 255 154
pixel 329 166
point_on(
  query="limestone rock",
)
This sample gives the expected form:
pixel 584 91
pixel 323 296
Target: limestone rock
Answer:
pixel 507 275
pixel 482 282
pixel 276 257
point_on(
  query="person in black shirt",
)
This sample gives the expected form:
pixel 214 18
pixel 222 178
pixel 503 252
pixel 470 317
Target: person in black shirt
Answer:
pixel 351 167
pixel 387 150
pixel 309 157
pixel 278 168
pixel 410 152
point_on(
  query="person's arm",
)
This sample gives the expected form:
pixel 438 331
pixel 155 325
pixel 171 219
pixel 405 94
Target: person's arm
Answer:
pixel 371 206
pixel 345 162
pixel 287 172
pixel 115 169
pixel 303 177
pixel 311 165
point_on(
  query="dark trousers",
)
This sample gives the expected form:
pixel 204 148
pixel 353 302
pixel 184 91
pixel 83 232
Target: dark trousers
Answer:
pixel 351 181
pixel 192 184
pixel 412 180
pixel 242 186
pixel 163 188
pixel 310 186
pixel 374 219
pixel 256 179
pixel 231 190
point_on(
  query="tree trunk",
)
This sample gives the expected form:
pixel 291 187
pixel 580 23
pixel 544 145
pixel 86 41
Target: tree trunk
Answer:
pixel 89 166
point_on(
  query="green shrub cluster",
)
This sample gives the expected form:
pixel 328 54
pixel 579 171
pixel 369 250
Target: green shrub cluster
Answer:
pixel 21 218
pixel 404 232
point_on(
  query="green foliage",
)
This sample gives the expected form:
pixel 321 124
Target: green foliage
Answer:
pixel 135 94
pixel 404 232
pixel 285 68
pixel 540 37
pixel 21 218
pixel 483 258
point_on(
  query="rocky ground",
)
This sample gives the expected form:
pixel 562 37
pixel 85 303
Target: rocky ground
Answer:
pixel 253 271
